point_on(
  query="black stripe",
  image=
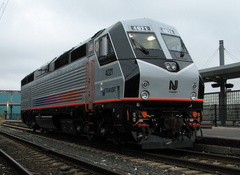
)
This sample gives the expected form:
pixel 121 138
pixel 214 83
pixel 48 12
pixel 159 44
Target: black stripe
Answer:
pixel 132 77
pixel 126 59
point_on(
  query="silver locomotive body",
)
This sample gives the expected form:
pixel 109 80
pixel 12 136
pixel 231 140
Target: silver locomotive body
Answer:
pixel 132 82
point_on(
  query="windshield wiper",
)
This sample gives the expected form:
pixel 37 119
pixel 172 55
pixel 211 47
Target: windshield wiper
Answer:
pixel 143 49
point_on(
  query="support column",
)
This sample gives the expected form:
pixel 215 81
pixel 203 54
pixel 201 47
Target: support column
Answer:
pixel 221 53
pixel 222 102
pixel 222 83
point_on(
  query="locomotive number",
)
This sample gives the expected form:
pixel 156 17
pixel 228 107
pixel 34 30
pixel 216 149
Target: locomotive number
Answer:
pixel 109 72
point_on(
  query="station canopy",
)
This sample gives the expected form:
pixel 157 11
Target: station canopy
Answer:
pixel 226 72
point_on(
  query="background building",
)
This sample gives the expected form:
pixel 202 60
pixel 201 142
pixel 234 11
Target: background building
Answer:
pixel 10 104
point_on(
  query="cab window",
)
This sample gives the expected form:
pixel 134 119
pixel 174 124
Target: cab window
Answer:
pixel 176 47
pixel 174 43
pixel 145 45
pixel 144 40
pixel 104 50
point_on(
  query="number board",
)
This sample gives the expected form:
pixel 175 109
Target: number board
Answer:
pixel 140 28
pixel 168 31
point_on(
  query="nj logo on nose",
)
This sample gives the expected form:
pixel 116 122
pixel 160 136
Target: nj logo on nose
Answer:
pixel 173 85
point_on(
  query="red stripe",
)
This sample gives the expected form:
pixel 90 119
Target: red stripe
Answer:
pixel 114 100
pixel 173 99
pixel 150 99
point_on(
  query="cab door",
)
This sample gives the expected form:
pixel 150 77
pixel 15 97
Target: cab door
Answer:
pixel 89 77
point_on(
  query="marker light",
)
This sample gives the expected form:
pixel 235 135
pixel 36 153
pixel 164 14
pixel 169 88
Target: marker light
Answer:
pixel 145 84
pixel 194 86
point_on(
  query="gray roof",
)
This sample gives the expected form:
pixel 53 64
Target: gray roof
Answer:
pixel 229 71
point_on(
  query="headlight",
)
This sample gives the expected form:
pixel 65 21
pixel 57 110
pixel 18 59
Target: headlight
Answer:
pixel 144 95
pixel 145 84
pixel 174 66
pixel 168 66
pixel 171 66
pixel 193 96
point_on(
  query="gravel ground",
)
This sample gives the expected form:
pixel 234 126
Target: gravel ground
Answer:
pixel 5 169
pixel 114 161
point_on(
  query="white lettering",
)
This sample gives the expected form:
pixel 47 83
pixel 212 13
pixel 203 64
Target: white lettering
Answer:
pixel 140 28
pixel 168 31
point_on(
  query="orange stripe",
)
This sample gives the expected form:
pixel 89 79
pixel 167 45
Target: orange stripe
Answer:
pixel 114 100
pixel 173 99
pixel 150 99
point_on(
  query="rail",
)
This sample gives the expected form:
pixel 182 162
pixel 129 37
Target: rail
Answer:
pixel 86 164
pixel 19 168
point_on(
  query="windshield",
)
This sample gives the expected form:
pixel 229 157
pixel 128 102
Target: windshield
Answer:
pixel 144 41
pixel 174 43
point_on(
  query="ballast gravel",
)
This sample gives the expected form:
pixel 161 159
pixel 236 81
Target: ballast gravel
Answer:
pixel 114 161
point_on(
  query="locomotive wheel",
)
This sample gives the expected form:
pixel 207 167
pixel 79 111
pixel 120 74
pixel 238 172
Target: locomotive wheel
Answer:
pixel 42 130
pixel 34 129
pixel 116 141
pixel 90 137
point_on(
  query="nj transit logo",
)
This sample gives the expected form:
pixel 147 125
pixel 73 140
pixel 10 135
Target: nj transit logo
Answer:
pixel 173 85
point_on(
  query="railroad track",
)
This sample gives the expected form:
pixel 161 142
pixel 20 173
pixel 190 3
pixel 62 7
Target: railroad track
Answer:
pixel 37 159
pixel 16 125
pixel 180 161
pixel 13 165
pixel 206 162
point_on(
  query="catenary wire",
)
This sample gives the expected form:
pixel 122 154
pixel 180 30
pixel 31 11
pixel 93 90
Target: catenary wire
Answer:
pixel 206 64
pixel 235 59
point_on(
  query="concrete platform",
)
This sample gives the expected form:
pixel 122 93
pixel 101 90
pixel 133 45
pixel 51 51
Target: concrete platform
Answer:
pixel 221 136
pixel 232 133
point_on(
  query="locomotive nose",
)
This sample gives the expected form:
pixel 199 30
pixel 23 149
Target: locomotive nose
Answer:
pixel 167 81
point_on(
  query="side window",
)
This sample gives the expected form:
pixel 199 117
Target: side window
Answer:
pixel 62 60
pixel 104 50
pixel 78 53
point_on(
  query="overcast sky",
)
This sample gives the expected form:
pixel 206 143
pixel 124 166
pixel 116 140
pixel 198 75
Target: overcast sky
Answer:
pixel 33 32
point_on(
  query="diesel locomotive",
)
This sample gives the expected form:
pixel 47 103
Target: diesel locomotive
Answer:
pixel 132 82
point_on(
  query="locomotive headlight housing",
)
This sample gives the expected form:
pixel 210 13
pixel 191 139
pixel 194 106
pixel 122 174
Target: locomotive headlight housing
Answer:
pixel 145 84
pixel 171 66
pixel 193 96
pixel 144 95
